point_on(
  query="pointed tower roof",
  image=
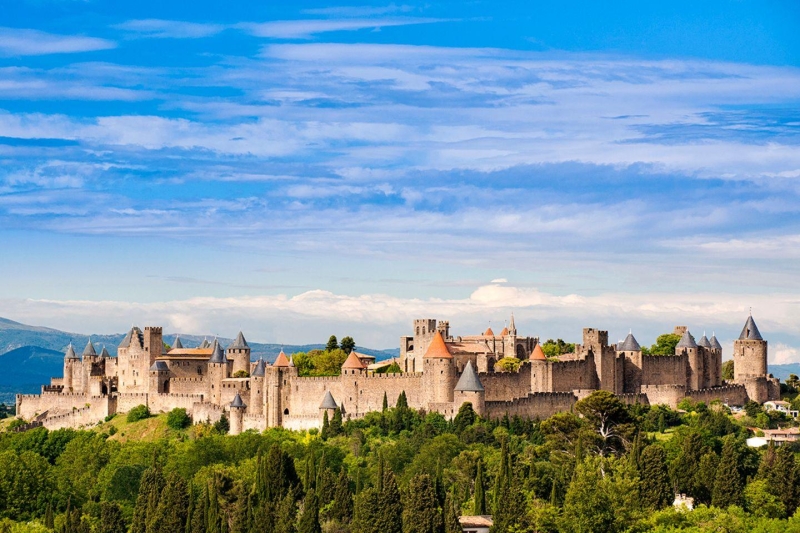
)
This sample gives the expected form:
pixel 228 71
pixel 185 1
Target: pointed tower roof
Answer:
pixel 687 341
pixel 438 348
pixel 630 344
pixel 353 362
pixel 511 325
pixel 239 343
pixel 538 354
pixel 177 345
pixel 89 350
pixel 704 342
pixel 469 380
pixel 258 371
pixel 715 343
pixel 281 361
pixel 134 335
pixel 504 332
pixel 328 402
pixel 291 361
pixel 104 353
pixel 70 353
pixel 204 344
pixel 237 402
pixel 218 354
pixel 488 333
pixel 750 331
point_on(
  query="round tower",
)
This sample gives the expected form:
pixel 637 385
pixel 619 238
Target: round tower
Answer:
pixel 540 370
pixel 438 370
pixel 237 415
pixel 70 361
pixel 239 353
pixel 217 371
pixel 749 353
pixel 470 389
pixel 688 347
pixel 328 406
pixel 258 390
pixel 631 353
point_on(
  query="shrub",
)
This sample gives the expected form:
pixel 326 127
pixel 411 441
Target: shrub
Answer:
pixel 241 374
pixel 112 430
pixel 178 418
pixel 140 412
pixel 110 417
pixel 222 426
pixel 508 364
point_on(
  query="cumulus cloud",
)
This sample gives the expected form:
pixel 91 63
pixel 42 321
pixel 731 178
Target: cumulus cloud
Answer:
pixel 28 42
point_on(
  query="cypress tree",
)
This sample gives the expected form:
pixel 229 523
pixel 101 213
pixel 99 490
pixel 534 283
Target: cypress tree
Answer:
pixel 147 500
pixel 656 490
pixel 309 519
pixel 479 506
pixel 242 511
pixel 342 508
pixel 310 474
pixel 286 515
pixel 365 516
pixel 438 485
pixel 390 519
pixel 111 519
pixel 48 516
pixel 336 422
pixel 705 474
pixel 199 519
pixel 172 509
pixel 402 401
pixel 728 483
pixel 420 507
pixel 685 465
pixel 385 405
pixel 213 515
pixel 503 478
pixel 662 423
pixel 326 426
pixel 451 523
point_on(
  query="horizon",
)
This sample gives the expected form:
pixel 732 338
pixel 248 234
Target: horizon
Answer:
pixel 347 167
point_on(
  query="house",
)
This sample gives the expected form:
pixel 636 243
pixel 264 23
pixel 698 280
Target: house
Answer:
pixel 781 407
pixel 778 436
pixel 475 524
pixel 682 501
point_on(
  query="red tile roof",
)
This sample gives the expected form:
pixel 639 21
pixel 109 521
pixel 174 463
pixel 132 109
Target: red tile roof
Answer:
pixel 353 362
pixel 438 348
pixel 488 333
pixel 281 360
pixel 538 354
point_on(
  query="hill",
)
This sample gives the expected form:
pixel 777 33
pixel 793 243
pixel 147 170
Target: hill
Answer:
pixel 782 371
pixel 31 355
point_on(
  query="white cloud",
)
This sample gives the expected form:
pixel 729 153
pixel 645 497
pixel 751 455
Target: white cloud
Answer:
pixel 307 28
pixel 27 42
pixel 174 29
pixel 782 354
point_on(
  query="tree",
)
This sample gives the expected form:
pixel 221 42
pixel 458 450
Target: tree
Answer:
pixel 173 507
pixel 325 433
pixel 332 345
pixel 25 484
pixel 147 501
pixel 287 514
pixel 479 505
pixel 657 489
pixel 385 404
pixel 309 519
pixel 450 516
pixel 140 412
pixel 347 345
pixel 760 501
pixel 508 364
pixel 336 423
pixel 366 519
pixel 466 417
pixel 111 519
pixel 665 345
pixel 609 416
pixel 728 483
pixel 342 508
pixel 222 426
pixel 727 370
pixel 178 418
pixel 391 509
pixel 420 508
pixel 685 465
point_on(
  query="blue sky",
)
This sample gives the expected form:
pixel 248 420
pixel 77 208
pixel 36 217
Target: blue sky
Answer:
pixel 308 168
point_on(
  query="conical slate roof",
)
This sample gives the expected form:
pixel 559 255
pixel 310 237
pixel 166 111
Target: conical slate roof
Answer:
pixel 328 402
pixel 89 350
pixel 538 354
pixel 177 345
pixel 70 353
pixel 258 371
pixel 687 341
pixel 159 366
pixel 438 348
pixel 204 344
pixel 218 355
pixel 134 335
pixel 469 381
pixel 353 362
pixel 750 331
pixel 281 361
pixel 715 343
pixel 239 343
pixel 704 342
pixel 104 353
pixel 237 401
pixel 630 344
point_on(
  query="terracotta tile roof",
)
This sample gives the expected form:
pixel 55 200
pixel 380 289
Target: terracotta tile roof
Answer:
pixel 476 521
pixel 538 354
pixel 504 332
pixel 281 361
pixel 438 348
pixel 190 351
pixel 353 362
pixel 488 333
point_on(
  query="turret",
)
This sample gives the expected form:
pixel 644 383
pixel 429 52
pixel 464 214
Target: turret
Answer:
pixel 159 377
pixel 353 366
pixel 470 389
pixel 153 343
pixel 749 353
pixel 438 372
pixel 716 350
pixel 687 346
pixel 257 392
pixel 328 406
pixel 217 371
pixel 71 361
pixel 631 354
pixel 540 370
pixel 177 345
pixel 239 353
pixel 237 415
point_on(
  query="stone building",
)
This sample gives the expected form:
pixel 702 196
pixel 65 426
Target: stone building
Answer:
pixel 440 373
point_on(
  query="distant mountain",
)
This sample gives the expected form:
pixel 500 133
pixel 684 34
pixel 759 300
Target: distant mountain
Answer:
pixel 782 371
pixel 31 355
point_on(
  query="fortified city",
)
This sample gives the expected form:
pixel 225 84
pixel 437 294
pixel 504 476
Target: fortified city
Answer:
pixel 439 372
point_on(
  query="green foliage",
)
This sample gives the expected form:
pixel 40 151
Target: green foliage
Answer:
pixel 421 513
pixel 241 374
pixel 479 505
pixel 223 425
pixel 665 345
pixel 347 345
pixel 319 362
pixel 508 364
pixel 552 349
pixel 178 419
pixel 657 490
pixel 728 482
pixel 332 345
pixel 727 370
pixel 140 412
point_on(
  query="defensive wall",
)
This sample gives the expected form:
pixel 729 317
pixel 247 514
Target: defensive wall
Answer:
pixel 663 369
pixel 506 386
pixel 539 405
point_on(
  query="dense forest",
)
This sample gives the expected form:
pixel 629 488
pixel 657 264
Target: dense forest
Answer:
pixel 606 466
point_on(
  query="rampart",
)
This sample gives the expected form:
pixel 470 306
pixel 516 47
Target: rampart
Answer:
pixel 539 405
pixel 506 386
pixel 566 376
pixel 663 370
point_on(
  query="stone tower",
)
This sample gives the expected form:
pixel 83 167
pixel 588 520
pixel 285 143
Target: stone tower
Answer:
pixel 438 369
pixel 328 406
pixel 239 353
pixel 470 389
pixel 159 377
pixel 71 364
pixel 749 353
pixel 540 370
pixel 605 359
pixel 237 414
pixel 275 377
pixel 694 363
pixel 217 371
pixel 631 354
pixel 258 390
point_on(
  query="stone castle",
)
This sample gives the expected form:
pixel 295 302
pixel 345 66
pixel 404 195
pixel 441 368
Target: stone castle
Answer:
pixel 439 373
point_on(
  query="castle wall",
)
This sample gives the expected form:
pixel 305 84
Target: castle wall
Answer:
pixel 505 386
pixel 206 412
pixel 31 405
pixel 566 376
pixel 188 385
pixel 193 368
pixel 730 394
pixel 128 400
pixel 162 403
pixel 97 410
pixel 669 395
pixel 539 405
pixel 664 370
pixel 256 422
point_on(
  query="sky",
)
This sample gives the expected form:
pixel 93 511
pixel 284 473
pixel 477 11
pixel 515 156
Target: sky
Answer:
pixel 300 169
